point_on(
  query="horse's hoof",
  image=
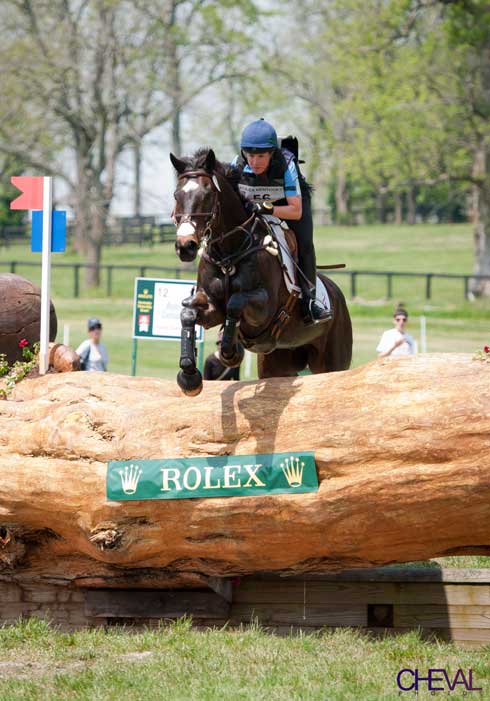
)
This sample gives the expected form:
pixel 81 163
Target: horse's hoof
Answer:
pixel 191 385
pixel 235 359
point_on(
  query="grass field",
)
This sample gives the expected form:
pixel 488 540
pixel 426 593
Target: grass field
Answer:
pixel 453 324
pixel 175 663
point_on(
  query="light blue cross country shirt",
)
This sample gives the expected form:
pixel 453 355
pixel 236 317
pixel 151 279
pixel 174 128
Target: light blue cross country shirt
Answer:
pixel 272 192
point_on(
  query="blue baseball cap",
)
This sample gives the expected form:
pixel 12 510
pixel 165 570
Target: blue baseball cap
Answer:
pixel 94 323
pixel 259 135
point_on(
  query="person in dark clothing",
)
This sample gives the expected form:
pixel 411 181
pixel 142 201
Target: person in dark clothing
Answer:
pixel 215 370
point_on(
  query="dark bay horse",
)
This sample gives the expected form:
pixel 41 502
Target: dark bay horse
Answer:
pixel 241 285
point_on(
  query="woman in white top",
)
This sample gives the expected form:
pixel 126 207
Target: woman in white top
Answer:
pixel 396 342
pixel 93 353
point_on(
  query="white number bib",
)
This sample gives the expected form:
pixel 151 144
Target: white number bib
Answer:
pixel 258 193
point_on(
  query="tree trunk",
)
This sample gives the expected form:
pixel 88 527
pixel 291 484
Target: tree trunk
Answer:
pixel 481 235
pixel 82 206
pixel 411 206
pixel 137 178
pixel 341 198
pixel 99 213
pixel 380 207
pixel 402 450
pixel 398 208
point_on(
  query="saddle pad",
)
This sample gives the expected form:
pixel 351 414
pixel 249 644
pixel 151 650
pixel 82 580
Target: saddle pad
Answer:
pixel 276 226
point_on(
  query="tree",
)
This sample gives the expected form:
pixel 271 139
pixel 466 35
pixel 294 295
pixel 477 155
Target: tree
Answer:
pixel 99 76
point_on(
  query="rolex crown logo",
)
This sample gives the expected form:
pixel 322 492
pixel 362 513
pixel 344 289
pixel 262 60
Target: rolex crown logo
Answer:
pixel 129 478
pixel 293 470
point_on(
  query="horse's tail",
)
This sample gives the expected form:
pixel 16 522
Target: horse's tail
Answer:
pixel 339 340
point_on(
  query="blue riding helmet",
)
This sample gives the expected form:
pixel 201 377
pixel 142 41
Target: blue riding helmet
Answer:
pixel 259 135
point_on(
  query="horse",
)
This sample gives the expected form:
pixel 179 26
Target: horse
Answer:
pixel 241 285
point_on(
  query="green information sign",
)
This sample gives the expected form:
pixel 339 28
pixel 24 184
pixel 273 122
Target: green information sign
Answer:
pixel 157 307
pixel 224 476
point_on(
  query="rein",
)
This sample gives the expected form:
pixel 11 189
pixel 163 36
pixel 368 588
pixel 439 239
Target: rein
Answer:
pixel 209 236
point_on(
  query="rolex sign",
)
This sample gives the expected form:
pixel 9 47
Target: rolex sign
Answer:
pixel 224 476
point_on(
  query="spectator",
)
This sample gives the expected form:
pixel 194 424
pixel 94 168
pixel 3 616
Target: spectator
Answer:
pixel 396 342
pixel 215 370
pixel 93 353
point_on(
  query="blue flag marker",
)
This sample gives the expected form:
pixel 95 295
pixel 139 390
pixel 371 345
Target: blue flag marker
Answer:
pixel 58 231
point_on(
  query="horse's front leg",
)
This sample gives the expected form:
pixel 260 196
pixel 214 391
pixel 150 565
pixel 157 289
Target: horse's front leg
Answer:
pixel 254 302
pixel 189 378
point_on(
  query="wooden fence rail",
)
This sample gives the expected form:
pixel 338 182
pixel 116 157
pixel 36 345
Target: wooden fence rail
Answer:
pixel 165 271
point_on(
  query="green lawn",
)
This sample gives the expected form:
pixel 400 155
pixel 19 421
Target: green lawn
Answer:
pixel 452 323
pixel 179 664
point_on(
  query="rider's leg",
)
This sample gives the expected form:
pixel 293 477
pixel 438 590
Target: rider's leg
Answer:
pixel 307 262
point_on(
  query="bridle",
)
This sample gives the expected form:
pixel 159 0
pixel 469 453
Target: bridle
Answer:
pixel 215 212
pixel 209 236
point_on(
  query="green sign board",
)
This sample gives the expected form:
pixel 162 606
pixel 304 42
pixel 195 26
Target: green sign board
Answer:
pixel 157 307
pixel 224 476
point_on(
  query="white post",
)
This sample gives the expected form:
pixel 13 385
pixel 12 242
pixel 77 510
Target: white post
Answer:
pixel 66 335
pixel 248 364
pixel 46 275
pixel 423 335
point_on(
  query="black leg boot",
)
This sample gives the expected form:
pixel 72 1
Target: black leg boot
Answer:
pixel 313 311
pixel 303 228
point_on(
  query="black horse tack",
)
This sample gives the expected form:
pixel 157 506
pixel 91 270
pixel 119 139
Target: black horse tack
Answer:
pixel 241 286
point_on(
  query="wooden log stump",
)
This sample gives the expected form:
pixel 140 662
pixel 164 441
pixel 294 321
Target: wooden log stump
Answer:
pixel 20 315
pixel 402 449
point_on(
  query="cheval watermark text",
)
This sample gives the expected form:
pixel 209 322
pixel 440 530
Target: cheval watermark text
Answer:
pixel 436 679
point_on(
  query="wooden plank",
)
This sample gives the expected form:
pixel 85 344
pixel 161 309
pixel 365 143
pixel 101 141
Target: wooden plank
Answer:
pixel 470 636
pixel 453 616
pixel 393 574
pixel 297 614
pixel 255 591
pixel 144 603
pixel 221 586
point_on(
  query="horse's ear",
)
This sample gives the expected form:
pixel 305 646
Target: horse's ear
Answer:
pixel 210 162
pixel 179 165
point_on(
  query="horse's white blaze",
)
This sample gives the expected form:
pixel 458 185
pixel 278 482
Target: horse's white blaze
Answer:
pixel 187 228
pixel 190 185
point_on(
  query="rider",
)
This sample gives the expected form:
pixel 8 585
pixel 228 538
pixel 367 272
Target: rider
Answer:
pixel 271 181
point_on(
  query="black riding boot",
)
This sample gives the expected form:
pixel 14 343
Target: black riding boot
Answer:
pixel 303 228
pixel 313 311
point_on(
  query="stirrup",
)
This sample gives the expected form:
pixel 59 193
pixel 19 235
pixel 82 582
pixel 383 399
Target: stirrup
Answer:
pixel 327 314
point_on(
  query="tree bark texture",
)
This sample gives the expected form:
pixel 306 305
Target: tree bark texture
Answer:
pixel 402 450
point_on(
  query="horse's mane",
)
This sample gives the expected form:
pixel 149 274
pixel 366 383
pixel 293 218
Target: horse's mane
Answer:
pixel 198 160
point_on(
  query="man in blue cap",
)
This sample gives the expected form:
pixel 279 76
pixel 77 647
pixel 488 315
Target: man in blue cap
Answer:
pixel 271 181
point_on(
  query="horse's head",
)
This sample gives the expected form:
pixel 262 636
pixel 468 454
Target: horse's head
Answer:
pixel 196 201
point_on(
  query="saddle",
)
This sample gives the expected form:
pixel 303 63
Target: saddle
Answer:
pixel 286 249
pixel 285 246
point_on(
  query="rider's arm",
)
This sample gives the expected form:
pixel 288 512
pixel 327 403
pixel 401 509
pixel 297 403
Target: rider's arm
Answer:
pixel 291 210
pixel 292 189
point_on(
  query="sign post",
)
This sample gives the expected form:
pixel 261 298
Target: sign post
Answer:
pixel 48 234
pixel 45 275
pixel 156 313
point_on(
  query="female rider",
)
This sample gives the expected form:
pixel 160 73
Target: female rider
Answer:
pixel 270 180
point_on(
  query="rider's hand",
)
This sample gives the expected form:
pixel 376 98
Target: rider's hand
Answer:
pixel 264 207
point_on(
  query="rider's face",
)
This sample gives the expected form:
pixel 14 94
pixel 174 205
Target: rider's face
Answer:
pixel 259 162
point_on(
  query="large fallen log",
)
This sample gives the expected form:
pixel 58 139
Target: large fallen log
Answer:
pixel 402 449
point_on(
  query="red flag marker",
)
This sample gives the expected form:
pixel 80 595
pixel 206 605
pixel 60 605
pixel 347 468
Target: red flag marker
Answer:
pixel 32 188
